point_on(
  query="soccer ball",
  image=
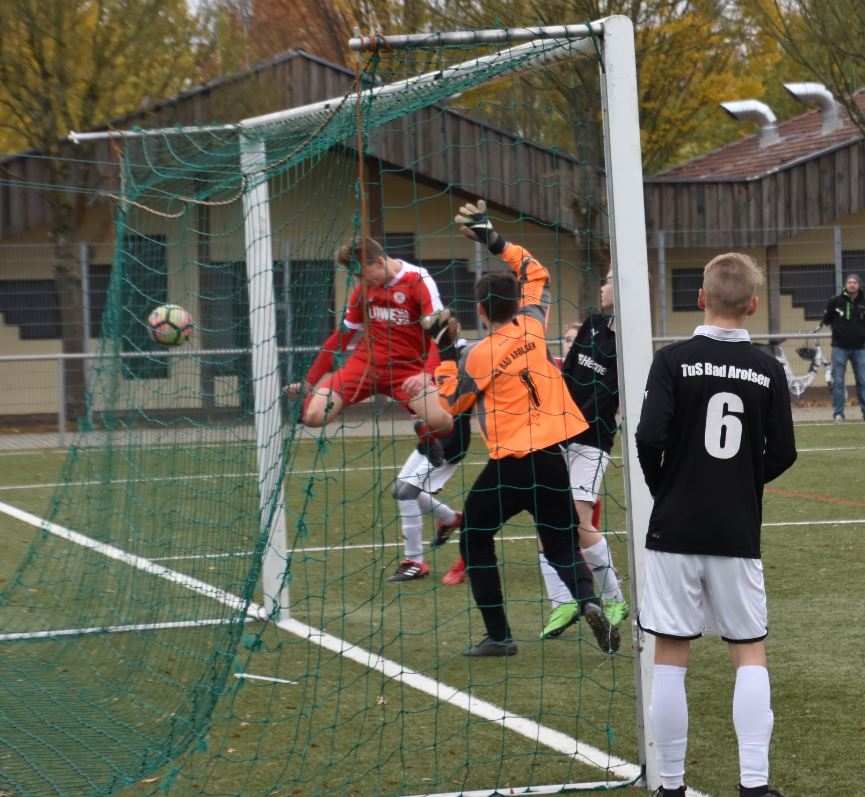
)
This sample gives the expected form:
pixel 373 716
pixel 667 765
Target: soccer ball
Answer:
pixel 170 325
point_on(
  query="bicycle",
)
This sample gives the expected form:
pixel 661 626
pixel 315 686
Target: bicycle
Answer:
pixel 813 354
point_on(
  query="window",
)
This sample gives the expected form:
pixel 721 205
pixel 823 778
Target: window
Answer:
pixel 33 307
pixel 144 286
pixel 303 291
pixel 853 262
pixel 99 277
pixel 686 284
pixel 809 287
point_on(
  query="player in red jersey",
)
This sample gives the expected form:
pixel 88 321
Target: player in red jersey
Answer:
pixel 385 311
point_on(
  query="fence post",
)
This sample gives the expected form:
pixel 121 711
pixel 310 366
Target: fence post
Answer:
pixel 839 260
pixel 61 403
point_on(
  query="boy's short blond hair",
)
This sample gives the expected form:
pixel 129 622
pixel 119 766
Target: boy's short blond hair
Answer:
pixel 730 281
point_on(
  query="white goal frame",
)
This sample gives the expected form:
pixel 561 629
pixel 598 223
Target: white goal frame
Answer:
pixel 629 259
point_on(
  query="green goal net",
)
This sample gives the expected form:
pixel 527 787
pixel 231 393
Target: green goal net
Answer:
pixel 205 608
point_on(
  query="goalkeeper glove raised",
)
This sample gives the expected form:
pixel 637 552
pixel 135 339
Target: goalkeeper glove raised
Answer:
pixel 475 224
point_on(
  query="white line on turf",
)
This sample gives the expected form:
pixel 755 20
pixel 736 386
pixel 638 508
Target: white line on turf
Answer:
pixel 248 676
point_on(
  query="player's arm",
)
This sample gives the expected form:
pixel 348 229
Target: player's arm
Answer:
pixel 653 428
pixel 444 330
pixel 430 297
pixel 534 277
pixel 780 448
pixel 337 341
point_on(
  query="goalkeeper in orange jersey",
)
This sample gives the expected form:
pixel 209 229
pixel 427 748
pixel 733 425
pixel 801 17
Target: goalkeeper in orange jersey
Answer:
pixel 524 412
pixel 388 310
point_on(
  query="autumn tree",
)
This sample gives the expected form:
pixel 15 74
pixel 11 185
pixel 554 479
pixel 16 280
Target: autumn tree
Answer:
pixel 242 33
pixel 75 65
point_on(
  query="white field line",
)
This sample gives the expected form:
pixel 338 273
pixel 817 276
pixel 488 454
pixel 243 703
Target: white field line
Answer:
pixel 616 533
pixel 141 563
pixel 617 768
pixel 110 629
pixel 306 472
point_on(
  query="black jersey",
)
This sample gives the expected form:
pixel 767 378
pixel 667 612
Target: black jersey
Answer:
pixel 593 379
pixel 715 426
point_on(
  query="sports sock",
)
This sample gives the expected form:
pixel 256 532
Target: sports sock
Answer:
pixel 430 505
pixel 753 720
pixel 557 590
pixel 412 529
pixel 600 560
pixel 668 713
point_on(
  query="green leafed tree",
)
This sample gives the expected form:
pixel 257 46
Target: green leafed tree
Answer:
pixel 75 65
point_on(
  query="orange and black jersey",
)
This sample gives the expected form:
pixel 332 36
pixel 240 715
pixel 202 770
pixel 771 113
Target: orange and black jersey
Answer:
pixel 520 398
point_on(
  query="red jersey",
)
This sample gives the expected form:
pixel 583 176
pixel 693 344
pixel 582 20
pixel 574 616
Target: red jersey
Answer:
pixel 394 310
pixel 396 338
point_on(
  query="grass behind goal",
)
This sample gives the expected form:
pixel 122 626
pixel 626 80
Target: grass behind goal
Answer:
pixel 265 735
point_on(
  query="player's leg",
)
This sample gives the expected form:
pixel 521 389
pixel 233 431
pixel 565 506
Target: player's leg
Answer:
pixel 426 405
pixel 321 406
pixel 668 711
pixel 586 468
pixel 557 591
pixel 553 512
pixel 598 556
pixel 753 718
pixel 735 600
pixel 432 482
pixel 485 510
pixel 347 385
pixel 407 491
pixel 858 360
pixel 839 389
pixel 428 480
pixel 672 609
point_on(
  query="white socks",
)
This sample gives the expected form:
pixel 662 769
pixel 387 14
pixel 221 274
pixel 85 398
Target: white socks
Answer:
pixel 412 529
pixel 668 713
pixel 753 720
pixel 557 592
pixel 600 562
pixel 430 505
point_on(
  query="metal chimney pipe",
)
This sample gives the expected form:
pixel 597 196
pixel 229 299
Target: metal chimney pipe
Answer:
pixel 818 94
pixel 756 111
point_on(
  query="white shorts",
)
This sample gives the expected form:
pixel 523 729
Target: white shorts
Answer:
pixel 586 466
pixel 688 595
pixel 419 472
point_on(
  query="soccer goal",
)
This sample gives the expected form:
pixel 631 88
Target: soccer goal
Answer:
pixel 205 608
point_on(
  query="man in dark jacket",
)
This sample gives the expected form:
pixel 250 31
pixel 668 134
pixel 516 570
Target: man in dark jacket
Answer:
pixel 845 313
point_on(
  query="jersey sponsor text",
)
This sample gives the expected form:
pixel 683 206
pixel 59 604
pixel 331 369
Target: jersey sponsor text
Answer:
pixel 725 372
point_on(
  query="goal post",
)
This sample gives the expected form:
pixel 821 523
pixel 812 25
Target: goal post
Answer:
pixel 633 323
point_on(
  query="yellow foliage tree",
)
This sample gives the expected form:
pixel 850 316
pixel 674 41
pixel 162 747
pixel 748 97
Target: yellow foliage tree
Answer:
pixel 75 65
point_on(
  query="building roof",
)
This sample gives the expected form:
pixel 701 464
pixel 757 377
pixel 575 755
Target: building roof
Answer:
pixel 800 139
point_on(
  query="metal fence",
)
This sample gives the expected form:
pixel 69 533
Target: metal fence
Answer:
pixel 806 272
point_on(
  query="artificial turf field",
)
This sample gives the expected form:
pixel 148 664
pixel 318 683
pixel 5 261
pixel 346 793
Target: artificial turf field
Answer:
pixel 814 556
